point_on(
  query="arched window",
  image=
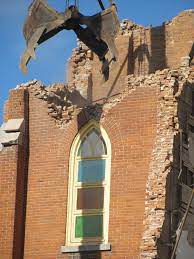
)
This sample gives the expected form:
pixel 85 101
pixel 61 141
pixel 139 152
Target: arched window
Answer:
pixel 89 187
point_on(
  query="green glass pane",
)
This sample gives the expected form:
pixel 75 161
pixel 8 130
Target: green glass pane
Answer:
pixel 90 198
pixel 89 226
pixel 91 171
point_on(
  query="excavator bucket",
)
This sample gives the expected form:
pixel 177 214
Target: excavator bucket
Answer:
pixel 43 22
pixel 105 26
pixel 110 28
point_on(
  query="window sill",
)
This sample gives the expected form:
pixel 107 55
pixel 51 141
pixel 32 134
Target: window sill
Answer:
pixel 85 248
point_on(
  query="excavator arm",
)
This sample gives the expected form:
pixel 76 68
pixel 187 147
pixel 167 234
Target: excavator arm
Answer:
pixel 43 22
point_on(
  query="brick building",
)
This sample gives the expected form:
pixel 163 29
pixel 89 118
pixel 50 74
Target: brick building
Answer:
pixel 102 167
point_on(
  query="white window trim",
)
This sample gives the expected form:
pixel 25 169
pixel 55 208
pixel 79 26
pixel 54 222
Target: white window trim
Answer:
pixel 72 162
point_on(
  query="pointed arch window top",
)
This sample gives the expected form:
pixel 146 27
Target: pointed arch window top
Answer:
pixel 92 145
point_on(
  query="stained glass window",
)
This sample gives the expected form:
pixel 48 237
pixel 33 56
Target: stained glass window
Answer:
pixel 90 188
pixel 91 171
pixel 92 145
pixel 90 198
pixel 88 226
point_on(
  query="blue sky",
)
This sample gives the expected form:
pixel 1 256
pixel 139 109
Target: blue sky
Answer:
pixel 50 65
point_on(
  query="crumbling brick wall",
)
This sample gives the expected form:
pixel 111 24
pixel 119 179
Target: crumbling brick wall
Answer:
pixel 161 91
pixel 162 191
pixel 134 127
pixel 141 51
pixel 139 109
pixel 50 141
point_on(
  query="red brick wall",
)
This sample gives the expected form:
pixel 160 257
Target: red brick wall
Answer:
pixel 15 106
pixel 131 127
pixel 102 88
pixel 8 171
pixel 47 183
pixel 156 48
pixel 13 181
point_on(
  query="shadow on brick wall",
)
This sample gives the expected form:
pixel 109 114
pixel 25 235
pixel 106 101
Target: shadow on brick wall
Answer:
pixel 157 60
pixel 21 186
pixel 91 255
pixel 150 55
